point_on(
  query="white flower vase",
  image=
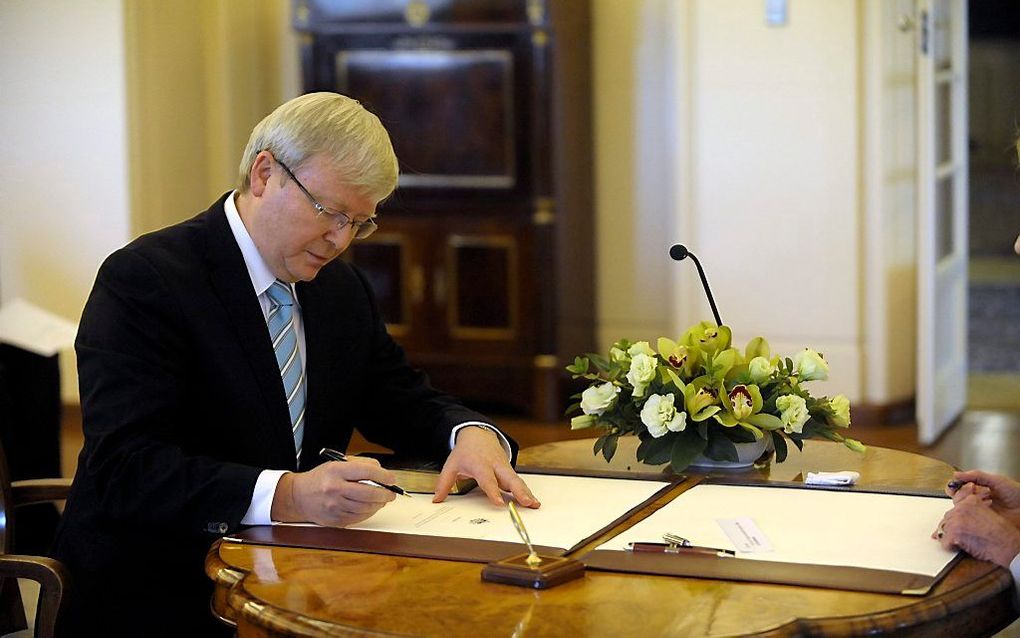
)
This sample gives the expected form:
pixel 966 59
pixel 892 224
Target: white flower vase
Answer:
pixel 747 454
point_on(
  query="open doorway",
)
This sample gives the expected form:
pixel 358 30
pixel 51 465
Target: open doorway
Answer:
pixel 994 270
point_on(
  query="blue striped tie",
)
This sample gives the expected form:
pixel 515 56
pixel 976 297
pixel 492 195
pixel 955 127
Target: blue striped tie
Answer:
pixel 285 343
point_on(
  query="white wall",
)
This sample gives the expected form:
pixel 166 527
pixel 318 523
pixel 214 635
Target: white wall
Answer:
pixel 64 192
pixel 634 79
pixel 775 175
pixel 784 156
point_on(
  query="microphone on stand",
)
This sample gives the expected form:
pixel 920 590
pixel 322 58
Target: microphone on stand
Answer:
pixel 679 252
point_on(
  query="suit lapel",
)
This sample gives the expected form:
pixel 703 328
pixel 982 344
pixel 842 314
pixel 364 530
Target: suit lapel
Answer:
pixel 232 284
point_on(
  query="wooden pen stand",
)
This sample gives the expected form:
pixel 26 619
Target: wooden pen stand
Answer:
pixel 515 570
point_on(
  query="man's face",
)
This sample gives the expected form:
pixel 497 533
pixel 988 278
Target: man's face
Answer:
pixel 293 239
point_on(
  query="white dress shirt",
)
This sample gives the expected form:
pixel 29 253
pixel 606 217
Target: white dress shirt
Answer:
pixel 1014 568
pixel 261 278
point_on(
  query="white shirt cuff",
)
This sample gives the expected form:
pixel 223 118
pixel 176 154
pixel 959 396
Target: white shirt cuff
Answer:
pixel 260 510
pixel 1014 569
pixel 502 439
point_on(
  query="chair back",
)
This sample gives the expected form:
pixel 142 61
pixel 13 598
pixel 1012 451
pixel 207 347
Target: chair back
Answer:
pixel 12 609
pixel 53 578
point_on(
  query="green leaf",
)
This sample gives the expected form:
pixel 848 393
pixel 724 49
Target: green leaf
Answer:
pixel 675 379
pixel 706 413
pixel 580 366
pixel 609 449
pixel 797 440
pixel 779 443
pixel 571 408
pixel 720 448
pixel 687 446
pixel 765 421
pixel 750 429
pixel 726 419
pixel 600 362
pixel 599 442
pixel 655 451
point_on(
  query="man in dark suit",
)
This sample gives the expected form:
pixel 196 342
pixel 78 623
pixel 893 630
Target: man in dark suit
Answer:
pixel 217 356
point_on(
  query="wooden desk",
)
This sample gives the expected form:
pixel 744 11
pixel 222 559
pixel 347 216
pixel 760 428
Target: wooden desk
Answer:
pixel 272 591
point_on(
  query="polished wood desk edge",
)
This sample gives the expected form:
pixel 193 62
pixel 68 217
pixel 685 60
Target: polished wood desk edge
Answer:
pixel 941 614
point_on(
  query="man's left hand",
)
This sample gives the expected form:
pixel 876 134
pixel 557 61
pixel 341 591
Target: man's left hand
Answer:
pixel 478 455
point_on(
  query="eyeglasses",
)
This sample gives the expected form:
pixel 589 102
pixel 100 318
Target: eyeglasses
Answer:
pixel 342 220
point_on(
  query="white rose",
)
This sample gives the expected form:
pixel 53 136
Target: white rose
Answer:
pixel 641 347
pixel 808 365
pixel 760 369
pixel 599 398
pixel 660 415
pixel 794 413
pixel 641 373
pixel 840 406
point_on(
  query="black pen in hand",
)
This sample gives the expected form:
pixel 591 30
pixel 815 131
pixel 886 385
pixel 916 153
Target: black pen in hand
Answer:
pixel 335 455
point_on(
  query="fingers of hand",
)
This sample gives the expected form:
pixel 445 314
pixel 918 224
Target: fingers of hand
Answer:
pixel 487 483
pixel 510 481
pixel 445 483
pixel 364 469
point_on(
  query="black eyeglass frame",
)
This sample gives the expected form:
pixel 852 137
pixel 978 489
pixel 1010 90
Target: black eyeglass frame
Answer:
pixel 361 229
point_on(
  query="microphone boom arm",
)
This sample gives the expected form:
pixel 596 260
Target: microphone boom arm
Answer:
pixel 708 291
pixel 679 252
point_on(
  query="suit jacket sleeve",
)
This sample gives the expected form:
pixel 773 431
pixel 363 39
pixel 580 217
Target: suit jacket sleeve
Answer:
pixel 146 461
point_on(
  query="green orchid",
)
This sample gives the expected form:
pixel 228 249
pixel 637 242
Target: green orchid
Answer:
pixel 757 347
pixel 684 358
pixel 701 399
pixel 708 336
pixel 720 365
pixel 742 406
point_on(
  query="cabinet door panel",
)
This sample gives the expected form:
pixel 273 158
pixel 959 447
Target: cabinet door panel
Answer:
pixel 483 299
pixel 450 114
pixel 383 258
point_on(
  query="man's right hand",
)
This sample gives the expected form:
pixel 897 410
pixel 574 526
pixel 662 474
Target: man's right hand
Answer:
pixel 330 494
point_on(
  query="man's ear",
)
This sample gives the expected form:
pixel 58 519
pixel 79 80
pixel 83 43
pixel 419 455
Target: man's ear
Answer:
pixel 261 171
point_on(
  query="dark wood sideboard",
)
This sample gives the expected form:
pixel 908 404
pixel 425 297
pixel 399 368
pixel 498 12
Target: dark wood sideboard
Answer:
pixel 483 263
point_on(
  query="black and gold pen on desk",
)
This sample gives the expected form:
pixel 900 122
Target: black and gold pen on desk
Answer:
pixel 671 548
pixel 676 544
pixel 336 455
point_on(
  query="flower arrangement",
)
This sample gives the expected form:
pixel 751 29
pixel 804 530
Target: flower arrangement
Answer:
pixel 700 396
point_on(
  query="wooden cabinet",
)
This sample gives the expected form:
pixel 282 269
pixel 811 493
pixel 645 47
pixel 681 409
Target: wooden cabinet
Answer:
pixel 483 262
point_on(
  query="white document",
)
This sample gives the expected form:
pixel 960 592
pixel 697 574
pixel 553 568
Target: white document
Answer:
pixel 745 534
pixel 573 508
pixel 807 526
pixel 34 329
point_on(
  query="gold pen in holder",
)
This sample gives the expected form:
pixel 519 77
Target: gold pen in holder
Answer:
pixel 533 558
